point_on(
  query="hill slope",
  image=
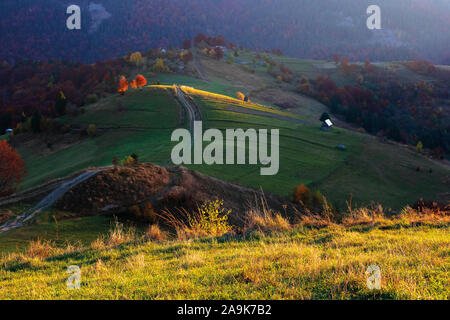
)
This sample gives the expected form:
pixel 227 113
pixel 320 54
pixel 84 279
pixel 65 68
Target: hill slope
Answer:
pixel 368 170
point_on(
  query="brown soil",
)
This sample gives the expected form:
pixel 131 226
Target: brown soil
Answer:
pixel 115 191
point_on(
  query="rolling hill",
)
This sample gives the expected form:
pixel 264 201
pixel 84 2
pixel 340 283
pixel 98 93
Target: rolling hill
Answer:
pixel 367 171
pixel 275 249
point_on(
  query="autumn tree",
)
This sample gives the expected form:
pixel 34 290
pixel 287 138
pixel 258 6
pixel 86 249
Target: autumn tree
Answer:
pixel 346 67
pixel 345 62
pixel 186 56
pixel 187 44
pixel 123 85
pixel 199 38
pixel 419 146
pixel 159 66
pixel 336 58
pixel 12 168
pixel 240 95
pixel 136 58
pixel 133 84
pixel 140 81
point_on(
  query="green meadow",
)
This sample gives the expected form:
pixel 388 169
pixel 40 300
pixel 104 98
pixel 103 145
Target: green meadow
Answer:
pixel 366 171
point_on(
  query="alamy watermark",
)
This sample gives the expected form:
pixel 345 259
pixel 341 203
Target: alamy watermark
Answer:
pixel 74 20
pixel 74 281
pixel 374 280
pixel 374 20
pixel 213 153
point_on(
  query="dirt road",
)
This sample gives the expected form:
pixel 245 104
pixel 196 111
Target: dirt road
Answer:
pixel 47 202
pixel 192 110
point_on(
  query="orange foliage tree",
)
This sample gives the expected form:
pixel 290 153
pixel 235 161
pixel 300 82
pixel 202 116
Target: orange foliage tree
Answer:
pixel 133 84
pixel 141 81
pixel 240 95
pixel 302 195
pixel 123 85
pixel 12 168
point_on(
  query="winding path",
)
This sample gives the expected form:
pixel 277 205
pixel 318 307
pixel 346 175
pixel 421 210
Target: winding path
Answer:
pixel 48 201
pixel 192 110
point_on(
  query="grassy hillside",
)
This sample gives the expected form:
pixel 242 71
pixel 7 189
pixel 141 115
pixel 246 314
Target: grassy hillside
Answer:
pixel 303 262
pixel 144 120
pixel 368 170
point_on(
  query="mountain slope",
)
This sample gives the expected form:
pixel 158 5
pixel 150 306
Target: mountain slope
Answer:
pixel 369 170
pixel 302 28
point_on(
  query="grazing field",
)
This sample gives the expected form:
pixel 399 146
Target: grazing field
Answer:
pixel 367 171
pixel 303 263
pixel 144 120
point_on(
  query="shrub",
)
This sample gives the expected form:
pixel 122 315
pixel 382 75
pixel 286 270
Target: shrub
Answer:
pixel 212 219
pixel 155 233
pixel 135 157
pixel 128 161
pixel 419 147
pixel 148 214
pixel 143 213
pixel 324 116
pixel 91 98
pixel 135 212
pixel 312 200
pixel 302 195
pixel 159 66
pixel 91 130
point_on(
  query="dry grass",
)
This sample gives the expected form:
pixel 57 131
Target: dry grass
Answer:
pixel 40 249
pixel 289 262
pixel 261 218
pixel 154 232
pixel 119 235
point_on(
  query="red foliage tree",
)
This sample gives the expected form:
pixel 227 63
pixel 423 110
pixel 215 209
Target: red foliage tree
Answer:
pixel 336 58
pixel 12 168
pixel 141 81
pixel 187 57
pixel 187 44
pixel 199 38
pixel 123 85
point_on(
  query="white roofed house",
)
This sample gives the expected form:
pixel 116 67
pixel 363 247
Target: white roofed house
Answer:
pixel 326 125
